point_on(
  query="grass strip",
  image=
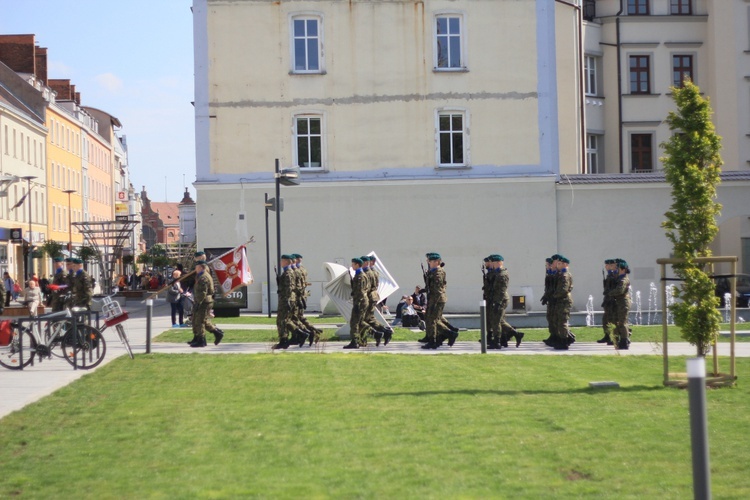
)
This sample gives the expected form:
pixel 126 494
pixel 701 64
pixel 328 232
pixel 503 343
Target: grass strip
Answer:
pixel 344 426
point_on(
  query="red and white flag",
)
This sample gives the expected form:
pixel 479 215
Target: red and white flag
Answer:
pixel 232 270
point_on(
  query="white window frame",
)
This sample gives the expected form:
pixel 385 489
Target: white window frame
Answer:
pixel 295 153
pixel 463 66
pixel 590 64
pixel 306 16
pixel 465 133
pixel 593 151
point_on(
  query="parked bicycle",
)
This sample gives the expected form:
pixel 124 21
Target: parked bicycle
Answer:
pixel 115 317
pixel 62 334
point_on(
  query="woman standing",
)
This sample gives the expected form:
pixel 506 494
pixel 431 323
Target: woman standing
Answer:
pixel 174 297
pixel 8 283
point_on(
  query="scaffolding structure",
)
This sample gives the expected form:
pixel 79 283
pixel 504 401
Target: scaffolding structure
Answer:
pixel 107 239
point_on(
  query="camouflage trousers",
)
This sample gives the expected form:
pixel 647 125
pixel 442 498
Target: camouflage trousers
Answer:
pixel 561 319
pixel 622 310
pixel 285 323
pixel 551 326
pixel 355 322
pixel 608 319
pixel 201 323
pixel 436 325
pixel 496 323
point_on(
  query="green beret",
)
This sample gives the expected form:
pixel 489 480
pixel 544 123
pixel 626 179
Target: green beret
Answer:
pixel 77 261
pixel 365 258
pixel 499 258
pixel 68 259
pixel 200 262
pixel 556 257
pixel 297 256
pixel 198 254
pixel 357 260
pixel 548 260
pixel 58 259
pixel 486 259
pixel 609 261
pixel 622 264
pixel 565 259
pixel 287 256
pixel 433 256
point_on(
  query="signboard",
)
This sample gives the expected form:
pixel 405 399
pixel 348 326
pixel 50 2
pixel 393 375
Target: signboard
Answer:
pixel 122 196
pixel 121 209
pixel 237 299
pixel 16 235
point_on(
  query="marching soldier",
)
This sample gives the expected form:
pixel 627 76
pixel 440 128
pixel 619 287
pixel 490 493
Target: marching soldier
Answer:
pixel 373 297
pixel 499 298
pixel 620 293
pixel 82 286
pixel 360 289
pixel 608 284
pixel 286 323
pixel 547 299
pixel 437 328
pixel 59 279
pixel 203 296
pixel 302 294
pixel 563 303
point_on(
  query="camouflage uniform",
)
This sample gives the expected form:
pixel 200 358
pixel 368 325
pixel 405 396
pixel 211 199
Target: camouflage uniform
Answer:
pixel 302 295
pixel 203 295
pixel 550 282
pixel 608 305
pixel 620 294
pixel 82 289
pixel 58 296
pixel 360 289
pixel 436 299
pixel 563 304
pixel 286 290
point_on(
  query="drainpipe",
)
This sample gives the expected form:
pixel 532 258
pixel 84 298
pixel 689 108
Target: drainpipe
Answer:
pixel 619 85
pixel 581 76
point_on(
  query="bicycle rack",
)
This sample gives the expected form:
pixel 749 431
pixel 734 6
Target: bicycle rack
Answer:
pixel 76 317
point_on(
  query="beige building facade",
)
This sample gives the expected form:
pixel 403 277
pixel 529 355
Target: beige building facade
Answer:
pixel 418 126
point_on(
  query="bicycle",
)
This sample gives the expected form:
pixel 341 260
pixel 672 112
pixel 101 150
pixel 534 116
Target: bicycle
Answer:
pixel 114 316
pixel 83 347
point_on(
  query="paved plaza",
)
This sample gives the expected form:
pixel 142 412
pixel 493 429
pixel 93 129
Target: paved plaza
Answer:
pixel 19 388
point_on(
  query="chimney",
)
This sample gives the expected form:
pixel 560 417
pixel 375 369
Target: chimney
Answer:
pixel 78 98
pixel 40 57
pixel 17 52
pixel 62 87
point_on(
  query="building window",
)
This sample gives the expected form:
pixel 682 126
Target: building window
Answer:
pixel 306 44
pixel 592 153
pixel 682 68
pixel 448 42
pixel 640 75
pixel 641 153
pixel 680 7
pixel 637 7
pixel 452 145
pixel 308 133
pixel 590 73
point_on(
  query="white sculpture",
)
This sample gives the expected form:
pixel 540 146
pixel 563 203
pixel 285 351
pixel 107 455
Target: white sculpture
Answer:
pixel 339 290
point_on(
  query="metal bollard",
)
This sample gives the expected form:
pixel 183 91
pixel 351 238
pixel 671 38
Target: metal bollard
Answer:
pixel 149 313
pixel 483 324
pixel 696 372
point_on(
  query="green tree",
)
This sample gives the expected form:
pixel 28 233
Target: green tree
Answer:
pixel 51 248
pixel 87 253
pixel 692 165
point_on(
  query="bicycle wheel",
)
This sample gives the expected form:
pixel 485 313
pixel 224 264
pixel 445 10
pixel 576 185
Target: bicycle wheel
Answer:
pixel 124 339
pixel 85 347
pixel 10 355
pixel 59 330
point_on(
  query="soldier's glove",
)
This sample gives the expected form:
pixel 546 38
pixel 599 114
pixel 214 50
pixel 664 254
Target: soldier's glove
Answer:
pixel 304 304
pixel 544 301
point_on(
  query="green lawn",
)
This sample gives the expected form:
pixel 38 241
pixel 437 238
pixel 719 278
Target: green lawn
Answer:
pixel 363 426
pixel 651 333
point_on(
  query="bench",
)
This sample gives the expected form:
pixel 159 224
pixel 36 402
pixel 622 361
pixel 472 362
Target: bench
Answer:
pixel 132 294
pixel 21 311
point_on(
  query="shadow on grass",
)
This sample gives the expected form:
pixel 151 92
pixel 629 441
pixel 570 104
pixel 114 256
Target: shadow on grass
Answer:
pixel 477 392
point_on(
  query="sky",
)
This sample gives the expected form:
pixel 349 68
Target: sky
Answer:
pixel 134 60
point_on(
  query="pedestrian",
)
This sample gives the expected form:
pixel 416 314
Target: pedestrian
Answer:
pixel 550 281
pixel 287 327
pixel 32 297
pixel 501 330
pixel 83 287
pixel 380 332
pixel 59 279
pixel 437 330
pixel 302 294
pixel 360 289
pixel 203 295
pixel 174 297
pixel 621 295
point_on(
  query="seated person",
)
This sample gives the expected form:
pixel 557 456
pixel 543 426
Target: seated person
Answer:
pixel 409 316
pixel 419 301
pixel 399 308
pixel 32 297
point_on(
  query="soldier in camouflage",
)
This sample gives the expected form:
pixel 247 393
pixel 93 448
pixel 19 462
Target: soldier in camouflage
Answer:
pixel 499 298
pixel 82 286
pixel 286 323
pixel 547 299
pixel 620 293
pixel 563 303
pixel 360 289
pixel 203 297
pixel 608 283
pixel 437 330
pixel 302 294
pixel 59 279
pixel 380 332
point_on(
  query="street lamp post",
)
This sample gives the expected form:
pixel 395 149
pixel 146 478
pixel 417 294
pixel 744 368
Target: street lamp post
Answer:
pixel 70 223
pixel 28 263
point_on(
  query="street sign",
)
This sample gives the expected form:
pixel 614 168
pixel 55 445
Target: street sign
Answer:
pixel 271 204
pixel 16 235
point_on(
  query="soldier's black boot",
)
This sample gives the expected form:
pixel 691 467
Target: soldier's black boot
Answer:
pixel 192 340
pixel 605 340
pixel 452 336
pixel 352 345
pixel 378 338
pixel 549 341
pixel 503 340
pixel 283 344
pixel 199 342
pixel 423 340
pixel 387 336
pixel 218 335
pixel 519 336
pixel 623 345
pixel 300 337
pixel 430 345
pixel 560 345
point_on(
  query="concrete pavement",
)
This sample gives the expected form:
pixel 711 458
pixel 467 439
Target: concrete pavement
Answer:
pixel 19 388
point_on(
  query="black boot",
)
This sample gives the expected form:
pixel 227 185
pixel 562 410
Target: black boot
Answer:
pixel 503 340
pixel 430 345
pixel 192 340
pixel 560 345
pixel 623 345
pixel 423 340
pixel 378 338
pixel 352 345
pixel 549 341
pixel 387 336
pixel 452 338
pixel 218 335
pixel 604 340
pixel 519 337
pixel 300 337
pixel 199 342
pixel 283 344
